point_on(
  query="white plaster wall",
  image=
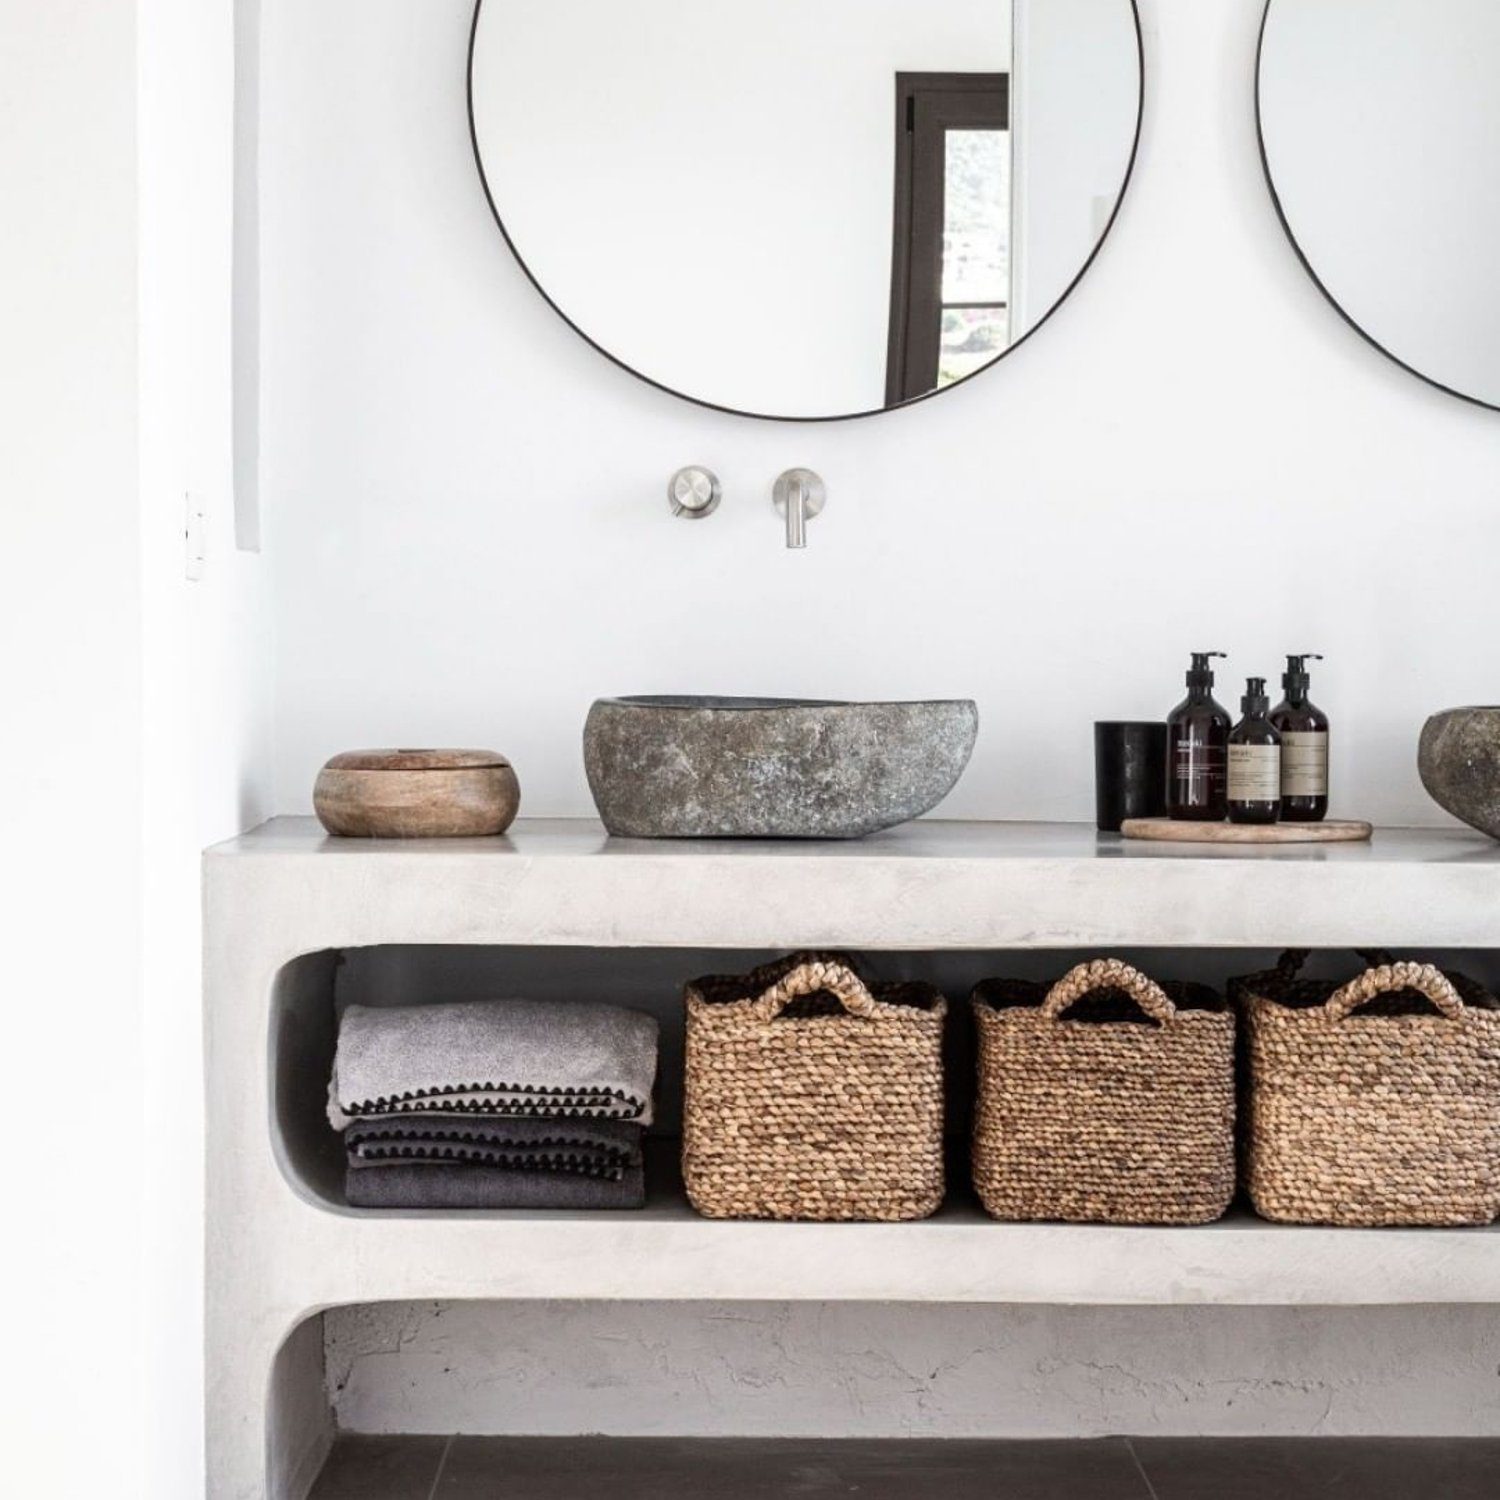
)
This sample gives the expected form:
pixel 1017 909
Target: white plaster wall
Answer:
pixel 70 757
pixel 830 1370
pixel 137 709
pixel 706 187
pixel 1384 139
pixel 466 504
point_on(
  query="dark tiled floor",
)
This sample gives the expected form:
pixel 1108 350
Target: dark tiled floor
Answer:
pixel 501 1469
pixel 428 1468
pixel 1321 1469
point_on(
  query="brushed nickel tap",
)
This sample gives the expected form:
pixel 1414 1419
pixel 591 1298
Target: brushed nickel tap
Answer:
pixel 799 495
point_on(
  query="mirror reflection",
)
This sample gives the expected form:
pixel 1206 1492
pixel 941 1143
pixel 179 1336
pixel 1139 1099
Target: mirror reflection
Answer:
pixel 805 208
pixel 1380 124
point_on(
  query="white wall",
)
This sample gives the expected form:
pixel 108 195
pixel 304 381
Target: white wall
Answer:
pixel 1385 144
pixel 70 759
pixel 729 239
pixel 136 716
pixel 467 502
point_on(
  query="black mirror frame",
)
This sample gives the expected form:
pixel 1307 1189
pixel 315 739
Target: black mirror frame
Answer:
pixel 854 416
pixel 1307 265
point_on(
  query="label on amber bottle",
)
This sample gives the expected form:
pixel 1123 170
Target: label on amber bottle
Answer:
pixel 1304 763
pixel 1198 770
pixel 1254 773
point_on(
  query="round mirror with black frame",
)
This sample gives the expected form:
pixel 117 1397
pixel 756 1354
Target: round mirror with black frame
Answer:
pixel 805 210
pixel 1380 133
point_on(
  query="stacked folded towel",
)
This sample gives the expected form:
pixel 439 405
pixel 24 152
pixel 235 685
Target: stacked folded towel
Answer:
pixel 494 1104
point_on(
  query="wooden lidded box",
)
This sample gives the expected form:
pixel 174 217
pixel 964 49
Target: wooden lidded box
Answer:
pixel 417 794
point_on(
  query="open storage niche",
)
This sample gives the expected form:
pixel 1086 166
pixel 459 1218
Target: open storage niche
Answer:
pixel 312 990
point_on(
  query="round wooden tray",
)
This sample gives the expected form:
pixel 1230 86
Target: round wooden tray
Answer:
pixel 1164 830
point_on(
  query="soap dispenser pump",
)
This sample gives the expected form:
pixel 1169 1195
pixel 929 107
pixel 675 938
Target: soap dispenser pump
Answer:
pixel 1304 746
pixel 1254 760
pixel 1198 749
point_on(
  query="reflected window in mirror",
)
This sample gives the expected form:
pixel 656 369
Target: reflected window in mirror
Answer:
pixel 704 189
pixel 950 265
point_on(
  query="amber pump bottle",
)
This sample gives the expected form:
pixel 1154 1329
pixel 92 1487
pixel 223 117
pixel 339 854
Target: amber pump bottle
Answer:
pixel 1304 746
pixel 1254 760
pixel 1198 750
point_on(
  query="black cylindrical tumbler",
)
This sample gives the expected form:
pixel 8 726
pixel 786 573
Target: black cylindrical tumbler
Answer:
pixel 1130 772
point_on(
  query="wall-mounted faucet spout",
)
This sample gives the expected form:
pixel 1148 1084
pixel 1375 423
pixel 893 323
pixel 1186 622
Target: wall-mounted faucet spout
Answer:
pixel 799 496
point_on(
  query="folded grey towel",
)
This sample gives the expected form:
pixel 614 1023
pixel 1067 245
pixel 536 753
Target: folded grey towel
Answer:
pixel 494 1057
pixel 407 1185
pixel 576 1148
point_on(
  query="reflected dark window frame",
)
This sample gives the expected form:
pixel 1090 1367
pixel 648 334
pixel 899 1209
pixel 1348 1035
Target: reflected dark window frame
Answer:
pixel 928 106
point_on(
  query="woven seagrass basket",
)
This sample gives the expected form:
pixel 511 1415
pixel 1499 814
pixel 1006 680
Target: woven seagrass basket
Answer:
pixel 813 1095
pixel 1376 1102
pixel 1108 1098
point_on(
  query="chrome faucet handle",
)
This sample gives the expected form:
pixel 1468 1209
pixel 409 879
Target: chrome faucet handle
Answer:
pixel 799 495
pixel 694 493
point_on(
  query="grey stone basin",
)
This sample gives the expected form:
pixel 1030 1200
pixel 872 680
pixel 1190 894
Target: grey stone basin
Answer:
pixel 771 767
pixel 1459 759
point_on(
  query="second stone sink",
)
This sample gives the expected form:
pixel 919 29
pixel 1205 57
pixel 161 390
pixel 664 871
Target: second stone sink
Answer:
pixel 771 767
pixel 1459 761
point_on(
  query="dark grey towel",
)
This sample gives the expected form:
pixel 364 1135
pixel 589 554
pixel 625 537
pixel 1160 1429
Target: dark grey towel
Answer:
pixel 405 1185
pixel 494 1057
pixel 578 1148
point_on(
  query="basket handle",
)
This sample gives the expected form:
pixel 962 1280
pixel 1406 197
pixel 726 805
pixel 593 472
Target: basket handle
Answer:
pixel 1426 979
pixel 814 976
pixel 1107 974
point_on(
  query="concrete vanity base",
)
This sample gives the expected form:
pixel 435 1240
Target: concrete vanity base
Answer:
pixel 282 1248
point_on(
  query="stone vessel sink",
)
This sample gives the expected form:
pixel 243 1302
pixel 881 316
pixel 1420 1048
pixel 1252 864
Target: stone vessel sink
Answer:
pixel 771 767
pixel 1459 759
